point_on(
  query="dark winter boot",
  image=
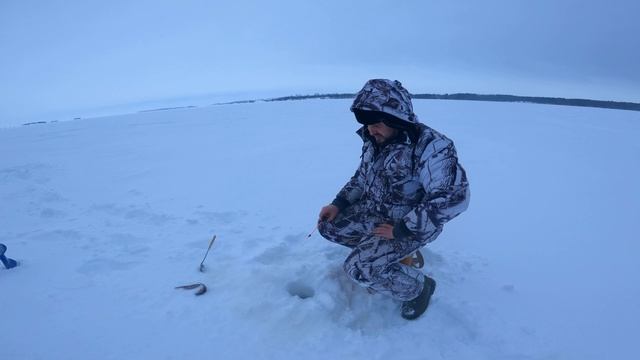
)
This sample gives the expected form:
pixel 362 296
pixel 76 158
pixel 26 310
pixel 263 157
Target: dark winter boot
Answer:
pixel 412 309
pixel 8 263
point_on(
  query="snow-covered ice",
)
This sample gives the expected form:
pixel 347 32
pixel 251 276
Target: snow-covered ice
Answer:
pixel 108 215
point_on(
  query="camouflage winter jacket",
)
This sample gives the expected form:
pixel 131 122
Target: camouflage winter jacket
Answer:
pixel 416 184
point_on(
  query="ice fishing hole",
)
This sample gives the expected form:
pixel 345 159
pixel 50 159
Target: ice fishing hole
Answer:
pixel 296 288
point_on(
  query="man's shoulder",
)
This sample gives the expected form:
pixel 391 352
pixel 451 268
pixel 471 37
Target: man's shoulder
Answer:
pixel 431 140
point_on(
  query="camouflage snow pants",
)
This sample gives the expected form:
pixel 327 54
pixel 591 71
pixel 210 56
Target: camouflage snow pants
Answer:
pixel 374 261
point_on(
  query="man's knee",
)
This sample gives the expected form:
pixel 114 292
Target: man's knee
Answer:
pixel 340 231
pixel 327 230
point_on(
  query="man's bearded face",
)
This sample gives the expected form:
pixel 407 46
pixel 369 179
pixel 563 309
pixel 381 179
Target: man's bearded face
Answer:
pixel 381 132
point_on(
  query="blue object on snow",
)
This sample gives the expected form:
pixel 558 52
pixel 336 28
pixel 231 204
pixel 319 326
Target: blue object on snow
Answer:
pixel 8 263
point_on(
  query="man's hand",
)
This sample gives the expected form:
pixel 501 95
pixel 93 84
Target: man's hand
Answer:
pixel 384 230
pixel 328 213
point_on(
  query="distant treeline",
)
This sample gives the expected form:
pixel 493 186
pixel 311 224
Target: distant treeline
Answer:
pixel 618 105
pixel 477 97
pixel 536 100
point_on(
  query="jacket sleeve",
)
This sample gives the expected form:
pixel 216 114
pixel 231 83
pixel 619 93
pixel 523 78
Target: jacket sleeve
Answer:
pixel 352 190
pixel 446 191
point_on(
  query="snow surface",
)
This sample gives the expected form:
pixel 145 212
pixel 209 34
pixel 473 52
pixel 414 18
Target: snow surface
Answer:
pixel 108 215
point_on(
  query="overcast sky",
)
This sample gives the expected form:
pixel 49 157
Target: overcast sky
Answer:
pixel 66 57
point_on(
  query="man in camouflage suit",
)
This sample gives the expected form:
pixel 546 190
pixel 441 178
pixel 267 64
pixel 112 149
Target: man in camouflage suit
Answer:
pixel 409 183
